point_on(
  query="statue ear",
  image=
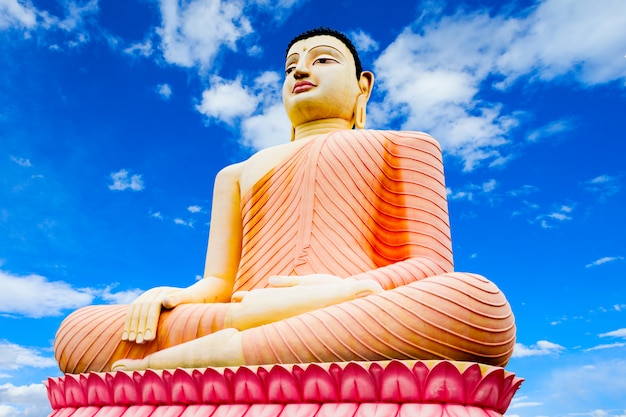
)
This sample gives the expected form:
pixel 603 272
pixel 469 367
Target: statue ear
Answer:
pixel 366 82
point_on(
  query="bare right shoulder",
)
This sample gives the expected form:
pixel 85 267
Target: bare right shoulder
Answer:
pixel 230 174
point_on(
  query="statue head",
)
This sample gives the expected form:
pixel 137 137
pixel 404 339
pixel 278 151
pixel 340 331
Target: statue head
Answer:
pixel 324 79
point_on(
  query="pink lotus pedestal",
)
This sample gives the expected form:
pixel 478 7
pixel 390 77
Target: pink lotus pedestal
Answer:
pixel 373 389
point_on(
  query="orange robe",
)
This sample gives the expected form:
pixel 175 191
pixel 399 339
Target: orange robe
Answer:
pixel 361 204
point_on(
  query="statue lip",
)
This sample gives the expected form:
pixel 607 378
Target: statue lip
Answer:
pixel 301 86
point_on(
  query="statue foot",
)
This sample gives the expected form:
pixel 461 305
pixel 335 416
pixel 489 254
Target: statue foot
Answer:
pixel 130 365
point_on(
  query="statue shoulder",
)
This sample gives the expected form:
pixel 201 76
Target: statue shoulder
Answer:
pixel 403 138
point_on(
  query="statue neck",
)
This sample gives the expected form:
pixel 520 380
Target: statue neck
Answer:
pixel 318 127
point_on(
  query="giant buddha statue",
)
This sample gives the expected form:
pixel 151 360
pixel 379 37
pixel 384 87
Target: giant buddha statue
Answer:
pixel 332 247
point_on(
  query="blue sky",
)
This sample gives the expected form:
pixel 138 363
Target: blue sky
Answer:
pixel 115 117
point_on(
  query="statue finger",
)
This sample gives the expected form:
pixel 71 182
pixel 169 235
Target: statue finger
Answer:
pixel 238 296
pixel 149 323
pixel 132 319
pixel 284 281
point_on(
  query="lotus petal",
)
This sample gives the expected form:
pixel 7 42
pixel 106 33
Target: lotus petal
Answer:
pixel 55 393
pixel 74 394
pixel 318 385
pixel 247 387
pixel 378 410
pixel 300 410
pixel 338 410
pixel 184 388
pixel 398 384
pixel 214 387
pixel 123 388
pixel 357 385
pixel 153 389
pixel 487 393
pixel 282 386
pixel 97 390
pixel 444 383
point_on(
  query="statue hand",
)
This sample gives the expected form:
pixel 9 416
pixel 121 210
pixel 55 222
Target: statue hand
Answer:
pixel 142 317
pixel 360 288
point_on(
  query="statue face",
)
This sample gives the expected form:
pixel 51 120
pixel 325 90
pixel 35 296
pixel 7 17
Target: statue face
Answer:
pixel 319 80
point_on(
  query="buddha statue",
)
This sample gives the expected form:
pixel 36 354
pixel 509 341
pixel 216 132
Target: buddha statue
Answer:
pixel 334 246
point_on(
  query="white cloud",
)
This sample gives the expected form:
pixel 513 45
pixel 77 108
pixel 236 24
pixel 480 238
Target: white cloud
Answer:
pixel 551 129
pixel 157 215
pixel 557 216
pixel 143 49
pixel 193 32
pixel 182 222
pixel 271 127
pixel 120 297
pixel 604 185
pixel 194 209
pixel 227 100
pixel 362 41
pixel 123 181
pixel 606 346
pixel 615 333
pixel 471 192
pixel 24 162
pixel 164 90
pixel 13 357
pixel 431 76
pixel 523 402
pixel 604 260
pixel 15 14
pixel 24 401
pixel 257 108
pixel 541 348
pixel 35 296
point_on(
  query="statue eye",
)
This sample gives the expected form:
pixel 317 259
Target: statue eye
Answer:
pixel 289 70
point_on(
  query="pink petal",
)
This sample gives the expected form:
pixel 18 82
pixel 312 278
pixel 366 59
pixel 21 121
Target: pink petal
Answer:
pixel 184 388
pixel 444 383
pixel 318 386
pixel 357 385
pixel 398 384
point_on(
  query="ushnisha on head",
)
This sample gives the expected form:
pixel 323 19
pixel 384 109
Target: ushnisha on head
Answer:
pixel 324 81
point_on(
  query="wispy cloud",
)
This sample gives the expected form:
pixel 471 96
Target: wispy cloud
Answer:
pixel 123 180
pixel 194 209
pixel 551 129
pixel 181 222
pixel 541 348
pixel 13 357
pixel 17 15
pixel 603 185
pixel 35 296
pixel 471 192
pixel 363 41
pixel 606 346
pixel 557 216
pixel 164 91
pixel 24 162
pixel 604 260
pixel 615 333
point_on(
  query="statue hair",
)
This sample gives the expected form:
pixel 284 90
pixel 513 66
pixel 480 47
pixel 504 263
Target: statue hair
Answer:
pixel 320 31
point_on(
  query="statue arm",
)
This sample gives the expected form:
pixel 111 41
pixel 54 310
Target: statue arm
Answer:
pixel 220 269
pixel 413 237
